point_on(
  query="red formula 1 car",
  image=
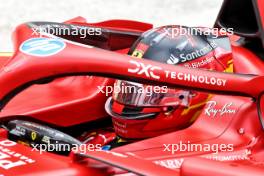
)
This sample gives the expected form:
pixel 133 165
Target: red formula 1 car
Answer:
pixel 49 94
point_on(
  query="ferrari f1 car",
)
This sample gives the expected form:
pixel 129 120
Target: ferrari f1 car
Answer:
pixel 49 96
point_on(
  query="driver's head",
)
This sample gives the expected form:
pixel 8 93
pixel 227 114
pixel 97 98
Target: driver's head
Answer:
pixel 140 110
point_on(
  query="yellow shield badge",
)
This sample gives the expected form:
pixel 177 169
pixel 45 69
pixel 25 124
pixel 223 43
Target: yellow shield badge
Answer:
pixel 33 135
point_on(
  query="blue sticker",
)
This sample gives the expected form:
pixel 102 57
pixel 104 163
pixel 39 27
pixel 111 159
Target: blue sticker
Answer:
pixel 106 147
pixel 42 46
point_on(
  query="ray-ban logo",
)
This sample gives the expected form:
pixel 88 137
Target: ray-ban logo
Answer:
pixel 212 109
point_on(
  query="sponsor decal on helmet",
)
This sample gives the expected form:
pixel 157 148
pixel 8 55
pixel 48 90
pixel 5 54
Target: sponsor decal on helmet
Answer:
pixel 138 53
pixel 200 63
pixel 42 46
pixel 173 60
pixel 140 50
pixel 185 57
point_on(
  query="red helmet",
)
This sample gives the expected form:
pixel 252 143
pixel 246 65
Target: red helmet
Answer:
pixel 142 111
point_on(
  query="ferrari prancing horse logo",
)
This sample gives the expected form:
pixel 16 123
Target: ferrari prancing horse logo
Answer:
pixel 33 135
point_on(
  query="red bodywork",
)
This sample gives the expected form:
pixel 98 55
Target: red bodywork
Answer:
pixel 76 93
pixel 80 102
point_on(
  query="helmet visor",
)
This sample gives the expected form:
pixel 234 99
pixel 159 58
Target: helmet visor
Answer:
pixel 135 94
